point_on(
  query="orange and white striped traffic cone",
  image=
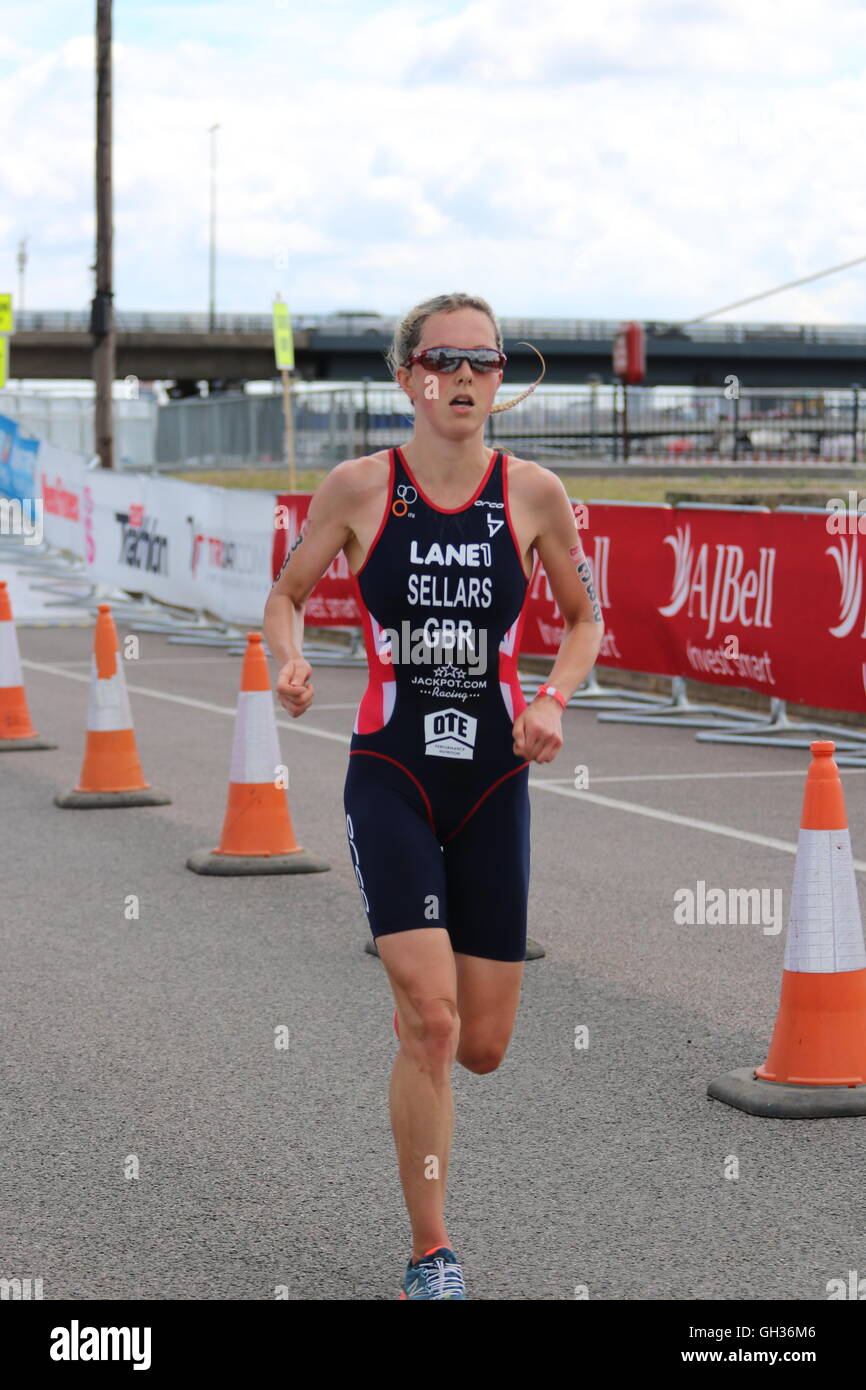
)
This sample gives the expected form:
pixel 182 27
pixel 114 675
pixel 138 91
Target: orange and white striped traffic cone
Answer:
pixel 16 730
pixel 258 836
pixel 816 1065
pixel 111 773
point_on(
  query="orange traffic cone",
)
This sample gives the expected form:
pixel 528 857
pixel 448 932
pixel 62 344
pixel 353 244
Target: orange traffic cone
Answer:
pixel 257 837
pixel 111 773
pixel 816 1065
pixel 16 731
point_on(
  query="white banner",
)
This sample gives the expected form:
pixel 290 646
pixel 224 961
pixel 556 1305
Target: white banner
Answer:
pixel 230 539
pixel 204 548
pixel 58 482
pixel 134 540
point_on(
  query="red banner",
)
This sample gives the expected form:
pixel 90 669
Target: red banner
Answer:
pixel 770 601
pixel 622 544
pixel 332 602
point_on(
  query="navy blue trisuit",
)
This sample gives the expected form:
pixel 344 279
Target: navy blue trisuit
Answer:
pixel 437 802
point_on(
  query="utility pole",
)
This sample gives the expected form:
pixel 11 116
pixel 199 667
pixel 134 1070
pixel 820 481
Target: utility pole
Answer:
pixel 212 300
pixel 102 315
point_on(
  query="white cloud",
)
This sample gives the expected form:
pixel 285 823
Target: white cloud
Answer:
pixel 627 158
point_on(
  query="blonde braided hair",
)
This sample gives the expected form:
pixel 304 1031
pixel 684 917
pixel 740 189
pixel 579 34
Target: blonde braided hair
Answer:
pixel 407 335
pixel 506 405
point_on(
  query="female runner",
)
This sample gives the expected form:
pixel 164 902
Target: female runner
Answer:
pixel 441 536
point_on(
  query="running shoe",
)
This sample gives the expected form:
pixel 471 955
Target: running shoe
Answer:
pixel 436 1275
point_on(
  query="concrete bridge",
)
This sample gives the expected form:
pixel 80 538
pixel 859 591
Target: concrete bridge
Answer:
pixel 349 347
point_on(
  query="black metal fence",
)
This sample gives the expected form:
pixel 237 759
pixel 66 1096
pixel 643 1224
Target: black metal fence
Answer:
pixel 600 424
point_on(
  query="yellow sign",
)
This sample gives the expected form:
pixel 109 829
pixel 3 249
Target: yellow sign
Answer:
pixel 284 346
pixel 4 359
pixel 6 324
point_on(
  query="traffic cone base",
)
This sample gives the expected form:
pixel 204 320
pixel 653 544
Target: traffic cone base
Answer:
pixel 816 1063
pixel 778 1100
pixel 24 745
pixel 227 865
pixel 76 800
pixel 111 775
pixel 258 836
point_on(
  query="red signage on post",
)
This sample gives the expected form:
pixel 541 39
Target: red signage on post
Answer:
pixel 629 354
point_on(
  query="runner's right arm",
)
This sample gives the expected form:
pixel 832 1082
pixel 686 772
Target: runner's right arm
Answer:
pixel 324 533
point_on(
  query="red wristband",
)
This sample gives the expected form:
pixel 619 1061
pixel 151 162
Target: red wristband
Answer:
pixel 552 690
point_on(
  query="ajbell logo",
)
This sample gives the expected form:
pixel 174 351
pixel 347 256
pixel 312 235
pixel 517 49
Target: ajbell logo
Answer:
pixel 850 573
pixel 718 585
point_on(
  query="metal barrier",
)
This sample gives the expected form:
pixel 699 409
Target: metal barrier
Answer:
pixel 560 425
pixel 591 695
pixel 778 731
pixel 66 421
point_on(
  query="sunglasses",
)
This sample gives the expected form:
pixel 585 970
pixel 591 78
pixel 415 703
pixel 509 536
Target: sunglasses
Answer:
pixel 448 359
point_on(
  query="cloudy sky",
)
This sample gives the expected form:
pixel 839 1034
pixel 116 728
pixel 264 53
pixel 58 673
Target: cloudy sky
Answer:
pixel 603 159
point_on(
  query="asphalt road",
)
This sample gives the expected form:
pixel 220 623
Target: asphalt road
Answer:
pixel 153 1039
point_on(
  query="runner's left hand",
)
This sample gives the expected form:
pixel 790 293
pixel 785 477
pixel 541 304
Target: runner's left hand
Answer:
pixel 537 732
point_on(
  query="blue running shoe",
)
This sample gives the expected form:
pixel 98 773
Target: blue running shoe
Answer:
pixel 436 1275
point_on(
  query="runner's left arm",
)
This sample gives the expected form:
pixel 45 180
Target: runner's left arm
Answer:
pixel 537 730
pixel 561 552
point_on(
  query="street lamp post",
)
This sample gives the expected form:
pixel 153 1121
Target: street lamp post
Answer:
pixel 212 302
pixel 22 266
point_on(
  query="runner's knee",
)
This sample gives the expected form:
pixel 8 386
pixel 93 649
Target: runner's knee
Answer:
pixel 481 1059
pixel 434 1029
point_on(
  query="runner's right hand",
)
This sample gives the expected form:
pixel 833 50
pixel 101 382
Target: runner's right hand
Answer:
pixel 294 690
